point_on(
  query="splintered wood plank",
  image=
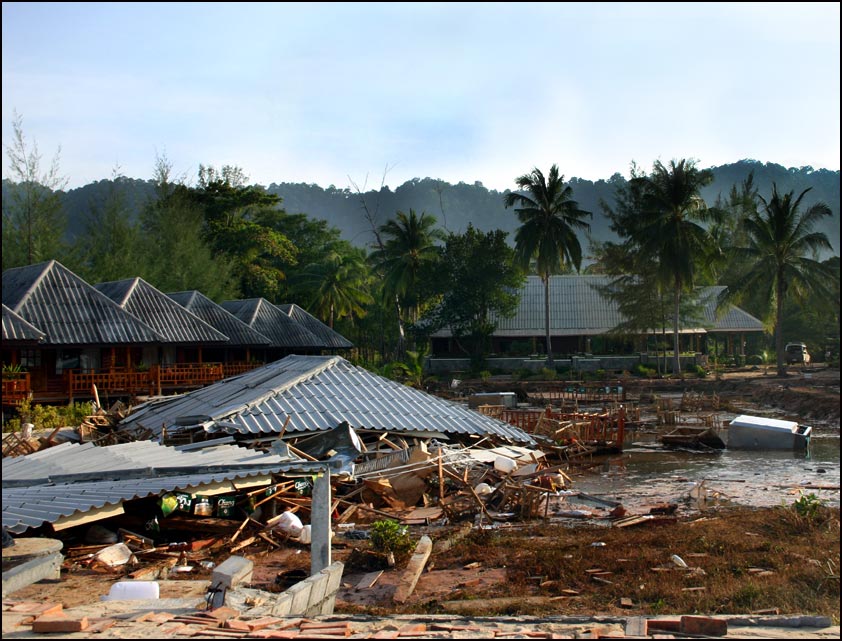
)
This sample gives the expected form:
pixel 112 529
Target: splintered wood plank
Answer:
pixel 368 580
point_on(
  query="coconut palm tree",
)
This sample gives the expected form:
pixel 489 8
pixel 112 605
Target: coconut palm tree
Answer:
pixel 549 220
pixel 409 246
pixel 669 230
pixel 337 285
pixel 780 255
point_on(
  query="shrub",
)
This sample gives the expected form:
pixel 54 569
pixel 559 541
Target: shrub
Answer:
pixel 701 372
pixel 547 374
pixel 389 536
pixel 49 417
pixel 641 370
pixel 754 359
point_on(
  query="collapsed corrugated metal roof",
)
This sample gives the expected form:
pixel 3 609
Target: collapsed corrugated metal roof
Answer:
pixel 331 338
pixel 264 317
pixel 17 330
pixel 164 315
pixel 238 333
pixel 69 310
pixel 67 481
pixel 577 308
pixel 300 394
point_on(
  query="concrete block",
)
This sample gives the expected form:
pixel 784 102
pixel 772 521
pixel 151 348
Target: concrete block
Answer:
pixel 300 593
pixel 282 606
pixel 334 574
pixel 29 572
pixel 705 626
pixel 317 593
pixel 235 570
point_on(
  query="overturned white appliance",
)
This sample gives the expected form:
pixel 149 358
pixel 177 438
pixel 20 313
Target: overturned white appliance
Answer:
pixel 759 433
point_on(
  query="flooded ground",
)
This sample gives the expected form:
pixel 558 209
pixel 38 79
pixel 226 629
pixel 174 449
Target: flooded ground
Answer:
pixel 648 473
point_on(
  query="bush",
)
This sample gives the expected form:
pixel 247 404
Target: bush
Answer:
pixel 701 372
pixel 522 374
pixel 547 374
pixel 754 359
pixel 641 370
pixel 49 417
pixel 389 536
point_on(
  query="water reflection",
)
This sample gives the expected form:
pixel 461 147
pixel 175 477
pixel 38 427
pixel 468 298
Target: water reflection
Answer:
pixel 647 473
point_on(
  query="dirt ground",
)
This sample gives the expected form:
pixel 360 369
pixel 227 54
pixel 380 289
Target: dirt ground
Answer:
pixel 740 560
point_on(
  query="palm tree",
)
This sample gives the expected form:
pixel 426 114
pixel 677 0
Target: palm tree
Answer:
pixel 550 218
pixel 779 239
pixel 408 248
pixel 337 285
pixel 668 228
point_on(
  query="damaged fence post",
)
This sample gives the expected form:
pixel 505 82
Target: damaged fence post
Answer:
pixel 320 523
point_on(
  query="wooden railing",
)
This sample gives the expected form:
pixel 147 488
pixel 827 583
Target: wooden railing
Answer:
pixel 151 381
pixel 607 428
pixel 239 367
pixel 584 393
pixel 16 387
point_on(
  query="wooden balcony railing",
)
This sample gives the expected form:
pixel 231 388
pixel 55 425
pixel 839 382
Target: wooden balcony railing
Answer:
pixel 16 387
pixel 151 381
pixel 239 367
pixel 186 374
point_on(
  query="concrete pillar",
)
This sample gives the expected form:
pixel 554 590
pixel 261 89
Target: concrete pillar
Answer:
pixel 320 523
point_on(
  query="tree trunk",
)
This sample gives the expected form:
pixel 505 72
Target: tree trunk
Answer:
pixel 547 320
pixel 779 330
pixel 676 360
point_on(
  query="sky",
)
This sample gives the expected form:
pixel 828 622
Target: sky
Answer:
pixel 361 94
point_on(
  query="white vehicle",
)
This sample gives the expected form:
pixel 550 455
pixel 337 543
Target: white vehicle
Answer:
pixel 797 353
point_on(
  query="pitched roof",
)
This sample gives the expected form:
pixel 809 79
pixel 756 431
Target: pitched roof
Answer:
pixel 313 394
pixel 577 308
pixel 17 330
pixel 264 317
pixel 332 339
pixel 69 310
pixel 164 315
pixel 69 480
pixel 238 333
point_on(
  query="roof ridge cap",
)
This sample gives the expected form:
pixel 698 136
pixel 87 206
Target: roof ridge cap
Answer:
pixel 49 266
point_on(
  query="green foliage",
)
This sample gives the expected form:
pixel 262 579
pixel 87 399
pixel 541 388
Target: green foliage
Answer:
pixel 808 506
pixel 640 369
pixel 522 374
pixel 49 417
pixel 390 536
pixel 484 375
pixel 700 371
pixel 547 374
pixel 755 359
pixel 12 368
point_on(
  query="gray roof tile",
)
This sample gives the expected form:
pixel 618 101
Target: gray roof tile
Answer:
pixel 331 338
pixel 69 310
pixel 266 318
pixel 237 331
pixel 17 330
pixel 164 315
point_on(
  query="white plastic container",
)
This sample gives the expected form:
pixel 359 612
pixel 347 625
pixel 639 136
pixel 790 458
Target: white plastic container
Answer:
pixel 482 489
pixel 130 590
pixel 504 464
pixel 290 524
pixel 306 536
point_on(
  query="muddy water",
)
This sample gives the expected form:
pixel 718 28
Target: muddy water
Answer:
pixel 647 474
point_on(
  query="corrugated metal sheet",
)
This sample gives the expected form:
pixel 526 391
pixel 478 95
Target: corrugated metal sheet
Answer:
pixel 69 310
pixel 238 333
pixel 264 317
pixel 331 338
pixel 318 393
pixel 17 330
pixel 30 499
pixel 577 308
pixel 160 312
pixel 80 459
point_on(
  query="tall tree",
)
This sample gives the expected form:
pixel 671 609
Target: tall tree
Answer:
pixel 110 247
pixel 782 258
pixel 477 277
pixel 409 247
pixel 337 285
pixel 241 225
pixel 177 256
pixel 669 229
pixel 549 220
pixel 33 217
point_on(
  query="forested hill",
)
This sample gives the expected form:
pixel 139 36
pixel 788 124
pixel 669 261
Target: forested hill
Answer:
pixel 455 206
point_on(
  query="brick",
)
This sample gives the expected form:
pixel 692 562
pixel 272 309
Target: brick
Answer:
pixel 263 622
pixel 662 625
pixel 222 613
pixel 412 628
pixel 275 634
pixel 38 609
pixel 386 634
pixel 316 625
pixel 169 630
pixel 100 625
pixel 706 626
pixel 236 624
pixel 55 623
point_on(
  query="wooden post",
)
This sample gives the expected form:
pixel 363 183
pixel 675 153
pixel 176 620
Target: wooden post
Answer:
pixel 320 523
pixel 441 476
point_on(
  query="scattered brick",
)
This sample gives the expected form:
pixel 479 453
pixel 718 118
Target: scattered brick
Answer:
pixel 263 622
pixel 32 607
pixel 100 625
pixel 171 629
pixel 56 623
pixel 411 628
pixel 275 634
pixel 221 613
pixel 706 626
pixel 386 634
pixel 662 625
